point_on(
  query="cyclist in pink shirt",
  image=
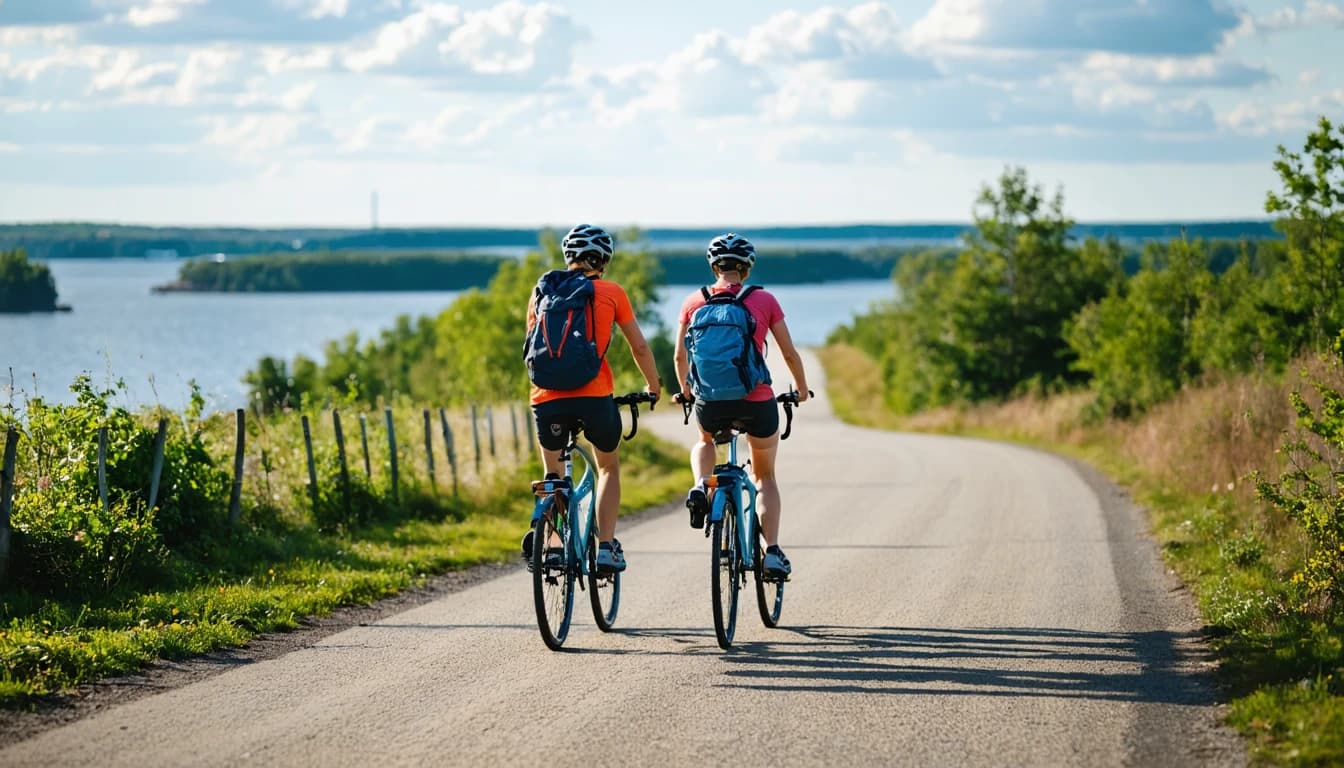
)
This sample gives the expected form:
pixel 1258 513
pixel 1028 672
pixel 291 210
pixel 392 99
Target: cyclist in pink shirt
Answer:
pixel 731 258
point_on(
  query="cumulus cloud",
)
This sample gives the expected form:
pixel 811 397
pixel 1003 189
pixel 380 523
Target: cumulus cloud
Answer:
pixel 1260 119
pixel 510 43
pixel 1100 70
pixel 1128 26
pixel 866 41
pixel 1310 14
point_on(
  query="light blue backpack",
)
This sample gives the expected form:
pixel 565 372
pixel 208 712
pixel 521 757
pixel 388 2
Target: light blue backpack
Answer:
pixel 725 363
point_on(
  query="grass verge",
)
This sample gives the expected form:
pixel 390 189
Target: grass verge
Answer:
pixel 266 581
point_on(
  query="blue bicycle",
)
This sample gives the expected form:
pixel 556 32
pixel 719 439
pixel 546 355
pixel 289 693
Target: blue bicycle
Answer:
pixel 563 540
pixel 736 542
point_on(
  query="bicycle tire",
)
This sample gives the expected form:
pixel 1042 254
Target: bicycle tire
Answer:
pixel 724 574
pixel 604 590
pixel 769 592
pixel 552 587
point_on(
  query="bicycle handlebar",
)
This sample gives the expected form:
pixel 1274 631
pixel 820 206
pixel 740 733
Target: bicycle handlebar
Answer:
pixel 789 399
pixel 633 400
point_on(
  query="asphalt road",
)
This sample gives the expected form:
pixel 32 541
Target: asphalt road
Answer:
pixel 954 602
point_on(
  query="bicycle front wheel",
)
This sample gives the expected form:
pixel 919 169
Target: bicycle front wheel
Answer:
pixel 604 590
pixel 725 570
pixel 552 577
pixel 769 589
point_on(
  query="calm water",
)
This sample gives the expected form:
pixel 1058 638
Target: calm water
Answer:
pixel 158 342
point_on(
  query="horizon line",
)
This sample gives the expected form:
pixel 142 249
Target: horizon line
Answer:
pixel 617 227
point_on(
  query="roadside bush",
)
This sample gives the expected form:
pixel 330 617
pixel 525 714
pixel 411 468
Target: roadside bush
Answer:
pixel 71 547
pixel 1311 493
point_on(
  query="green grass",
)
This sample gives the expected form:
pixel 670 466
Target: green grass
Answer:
pixel 265 581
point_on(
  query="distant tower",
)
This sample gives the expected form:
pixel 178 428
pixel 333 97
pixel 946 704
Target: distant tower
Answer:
pixel 373 208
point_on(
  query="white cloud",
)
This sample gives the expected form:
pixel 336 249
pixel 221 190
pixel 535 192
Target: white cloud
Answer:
pixel 1309 14
pixel 1130 26
pixel 158 12
pixel 13 37
pixel 253 133
pixel 508 44
pixel 866 41
pixel 279 60
pixel 1258 119
pixel 126 72
pixel 1209 70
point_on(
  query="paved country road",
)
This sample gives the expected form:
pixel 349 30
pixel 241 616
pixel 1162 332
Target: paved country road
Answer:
pixel 954 602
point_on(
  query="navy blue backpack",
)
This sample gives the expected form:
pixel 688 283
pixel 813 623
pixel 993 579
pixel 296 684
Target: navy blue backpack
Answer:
pixel 561 349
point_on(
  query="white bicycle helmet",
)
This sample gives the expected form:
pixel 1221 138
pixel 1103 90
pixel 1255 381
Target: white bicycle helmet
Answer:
pixel 731 245
pixel 588 243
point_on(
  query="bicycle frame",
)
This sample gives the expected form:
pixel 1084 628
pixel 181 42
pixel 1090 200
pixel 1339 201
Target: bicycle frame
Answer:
pixel 572 497
pixel 732 483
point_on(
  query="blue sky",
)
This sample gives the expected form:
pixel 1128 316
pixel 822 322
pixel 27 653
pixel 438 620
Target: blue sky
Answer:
pixel 291 112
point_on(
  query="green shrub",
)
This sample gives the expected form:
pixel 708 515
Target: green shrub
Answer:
pixel 1311 493
pixel 67 546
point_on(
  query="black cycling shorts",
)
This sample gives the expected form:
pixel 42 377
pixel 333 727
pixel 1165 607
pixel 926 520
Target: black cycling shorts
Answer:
pixel 759 418
pixel 600 418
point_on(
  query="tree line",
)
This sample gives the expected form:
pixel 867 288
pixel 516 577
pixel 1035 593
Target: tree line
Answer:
pixel 1024 307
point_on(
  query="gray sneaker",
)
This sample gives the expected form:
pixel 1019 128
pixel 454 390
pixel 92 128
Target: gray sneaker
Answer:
pixel 776 563
pixel 610 558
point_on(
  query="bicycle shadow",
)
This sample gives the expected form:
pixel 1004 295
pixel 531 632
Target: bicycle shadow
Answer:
pixel 1147 666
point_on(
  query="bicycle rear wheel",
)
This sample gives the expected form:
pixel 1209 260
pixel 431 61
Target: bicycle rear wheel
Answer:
pixel 553 583
pixel 604 590
pixel 769 589
pixel 725 571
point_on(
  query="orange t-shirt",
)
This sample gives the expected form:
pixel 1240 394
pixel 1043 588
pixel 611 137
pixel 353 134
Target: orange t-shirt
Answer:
pixel 611 305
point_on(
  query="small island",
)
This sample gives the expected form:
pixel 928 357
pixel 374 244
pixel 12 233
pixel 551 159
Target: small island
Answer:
pixel 26 286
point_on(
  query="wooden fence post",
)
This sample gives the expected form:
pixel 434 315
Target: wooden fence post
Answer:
pixel 513 426
pixel 392 449
pixel 340 453
pixel 490 427
pixel 7 496
pixel 475 439
pixel 312 468
pixel 236 494
pixel 448 441
pixel 160 438
pixel 102 466
pixel 364 438
pixel 429 451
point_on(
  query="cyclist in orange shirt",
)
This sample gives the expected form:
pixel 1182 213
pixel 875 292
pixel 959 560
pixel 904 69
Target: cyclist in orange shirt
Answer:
pixel 589 249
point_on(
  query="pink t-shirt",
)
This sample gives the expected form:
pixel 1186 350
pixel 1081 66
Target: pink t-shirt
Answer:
pixel 760 303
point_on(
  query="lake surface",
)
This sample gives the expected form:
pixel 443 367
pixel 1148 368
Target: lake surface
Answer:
pixel 157 343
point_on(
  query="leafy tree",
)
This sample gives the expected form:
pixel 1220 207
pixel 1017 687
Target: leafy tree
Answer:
pixel 1312 204
pixel 24 286
pixel 1136 343
pixel 990 321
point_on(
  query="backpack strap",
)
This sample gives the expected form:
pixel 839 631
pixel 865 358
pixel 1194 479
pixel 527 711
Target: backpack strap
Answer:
pixel 704 291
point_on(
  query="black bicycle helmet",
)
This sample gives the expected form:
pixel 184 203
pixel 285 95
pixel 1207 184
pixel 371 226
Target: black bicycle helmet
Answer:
pixel 588 243
pixel 731 245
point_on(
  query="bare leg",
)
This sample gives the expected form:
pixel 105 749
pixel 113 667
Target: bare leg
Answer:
pixel 763 451
pixel 702 457
pixel 608 492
